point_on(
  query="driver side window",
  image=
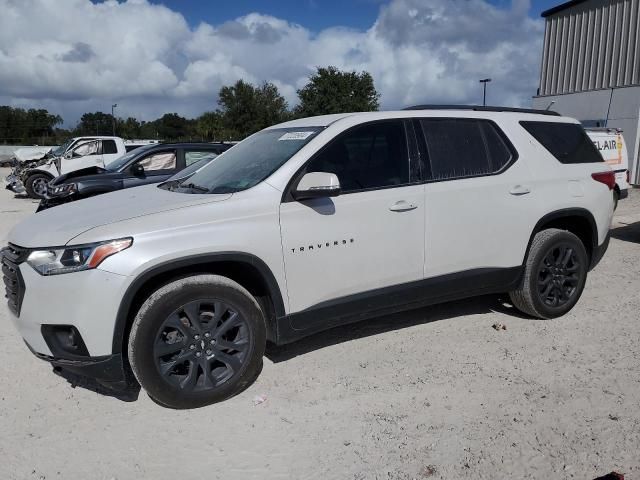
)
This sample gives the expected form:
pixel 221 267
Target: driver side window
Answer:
pixel 367 157
pixel 159 161
pixel 89 148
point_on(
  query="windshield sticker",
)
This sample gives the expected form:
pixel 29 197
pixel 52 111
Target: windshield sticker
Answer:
pixel 295 136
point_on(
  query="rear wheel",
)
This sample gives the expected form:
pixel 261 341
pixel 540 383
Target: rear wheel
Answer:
pixel 36 185
pixel 197 341
pixel 554 276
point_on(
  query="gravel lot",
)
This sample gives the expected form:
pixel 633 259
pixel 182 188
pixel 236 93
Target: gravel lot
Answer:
pixel 433 393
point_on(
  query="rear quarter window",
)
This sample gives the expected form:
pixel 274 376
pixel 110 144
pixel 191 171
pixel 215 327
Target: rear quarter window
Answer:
pixel 568 142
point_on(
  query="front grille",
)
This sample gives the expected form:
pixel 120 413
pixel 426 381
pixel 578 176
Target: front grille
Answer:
pixel 11 257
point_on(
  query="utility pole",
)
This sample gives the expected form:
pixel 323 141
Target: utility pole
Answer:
pixel 113 119
pixel 484 82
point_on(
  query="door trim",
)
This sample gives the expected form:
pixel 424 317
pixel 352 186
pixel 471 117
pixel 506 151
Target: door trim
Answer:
pixel 397 298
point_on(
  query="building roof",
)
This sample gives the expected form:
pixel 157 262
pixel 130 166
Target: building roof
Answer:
pixel 562 6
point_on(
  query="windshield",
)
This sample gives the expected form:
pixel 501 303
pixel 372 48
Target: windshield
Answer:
pixel 62 148
pixel 250 161
pixel 122 161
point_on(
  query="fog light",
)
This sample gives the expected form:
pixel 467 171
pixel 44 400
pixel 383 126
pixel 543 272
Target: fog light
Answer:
pixel 64 341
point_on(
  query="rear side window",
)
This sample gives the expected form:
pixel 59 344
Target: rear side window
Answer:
pixel 369 156
pixel 460 148
pixel 109 146
pixel 194 156
pixel 568 142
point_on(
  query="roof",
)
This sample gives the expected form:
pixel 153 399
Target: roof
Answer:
pixel 561 7
pixel 448 110
pixel 478 108
pixel 317 121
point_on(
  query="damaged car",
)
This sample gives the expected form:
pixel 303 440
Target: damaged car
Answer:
pixel 31 175
pixel 145 165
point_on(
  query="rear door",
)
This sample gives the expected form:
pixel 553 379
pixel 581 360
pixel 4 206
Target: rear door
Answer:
pixel 480 208
pixel 110 151
pixel 158 166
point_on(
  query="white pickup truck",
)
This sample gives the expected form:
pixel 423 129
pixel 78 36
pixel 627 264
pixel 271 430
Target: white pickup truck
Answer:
pixel 77 153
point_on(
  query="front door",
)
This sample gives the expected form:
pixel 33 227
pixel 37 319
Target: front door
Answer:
pixel 82 156
pixel 366 240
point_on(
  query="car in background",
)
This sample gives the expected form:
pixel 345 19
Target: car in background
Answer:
pixel 611 145
pixel 31 175
pixel 144 165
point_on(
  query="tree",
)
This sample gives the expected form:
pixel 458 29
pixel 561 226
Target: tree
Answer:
pixel 332 91
pixel 129 128
pixel 247 109
pixel 96 123
pixel 210 127
pixel 18 125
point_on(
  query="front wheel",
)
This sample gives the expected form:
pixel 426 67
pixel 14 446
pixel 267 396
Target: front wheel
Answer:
pixel 555 274
pixel 36 185
pixel 197 341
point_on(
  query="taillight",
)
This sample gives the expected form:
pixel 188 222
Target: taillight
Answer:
pixel 608 178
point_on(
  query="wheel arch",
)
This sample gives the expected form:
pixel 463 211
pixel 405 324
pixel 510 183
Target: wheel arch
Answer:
pixel 578 221
pixel 33 171
pixel 246 269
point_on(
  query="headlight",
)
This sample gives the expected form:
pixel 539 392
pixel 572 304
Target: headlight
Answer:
pixel 55 261
pixel 63 190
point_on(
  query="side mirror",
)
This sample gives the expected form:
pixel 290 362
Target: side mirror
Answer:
pixel 317 185
pixel 68 155
pixel 137 169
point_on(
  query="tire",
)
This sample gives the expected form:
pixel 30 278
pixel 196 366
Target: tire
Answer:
pixel 616 198
pixel 206 333
pixel 554 276
pixel 36 185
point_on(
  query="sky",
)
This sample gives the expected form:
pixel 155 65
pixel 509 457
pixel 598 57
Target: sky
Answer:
pixel 157 56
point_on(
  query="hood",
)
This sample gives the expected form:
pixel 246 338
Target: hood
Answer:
pixel 31 153
pixel 59 225
pixel 88 173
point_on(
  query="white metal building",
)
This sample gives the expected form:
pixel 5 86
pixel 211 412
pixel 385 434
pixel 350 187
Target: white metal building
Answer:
pixel 591 67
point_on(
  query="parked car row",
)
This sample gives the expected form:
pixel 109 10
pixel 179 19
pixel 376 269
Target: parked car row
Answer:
pixel 33 168
pixel 87 166
pixel 144 165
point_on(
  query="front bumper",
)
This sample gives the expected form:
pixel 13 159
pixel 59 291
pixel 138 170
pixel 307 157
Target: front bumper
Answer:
pixel 86 302
pixel 109 370
pixel 14 184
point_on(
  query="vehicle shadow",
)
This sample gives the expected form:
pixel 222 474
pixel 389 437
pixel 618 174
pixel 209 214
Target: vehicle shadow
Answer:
pixel 130 394
pixel 397 321
pixel 628 233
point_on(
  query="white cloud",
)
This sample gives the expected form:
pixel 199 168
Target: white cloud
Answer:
pixel 73 56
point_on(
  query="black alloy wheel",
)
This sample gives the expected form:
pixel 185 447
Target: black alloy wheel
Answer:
pixel 554 276
pixel 559 275
pixel 197 340
pixel 201 345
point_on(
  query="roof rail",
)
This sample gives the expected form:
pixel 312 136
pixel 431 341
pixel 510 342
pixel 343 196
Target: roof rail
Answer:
pixel 480 108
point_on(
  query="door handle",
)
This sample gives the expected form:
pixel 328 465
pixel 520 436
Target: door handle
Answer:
pixel 519 190
pixel 402 206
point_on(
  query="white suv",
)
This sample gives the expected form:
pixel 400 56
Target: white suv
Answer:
pixel 304 226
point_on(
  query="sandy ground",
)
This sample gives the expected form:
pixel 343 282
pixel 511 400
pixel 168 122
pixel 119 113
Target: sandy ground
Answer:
pixel 433 393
